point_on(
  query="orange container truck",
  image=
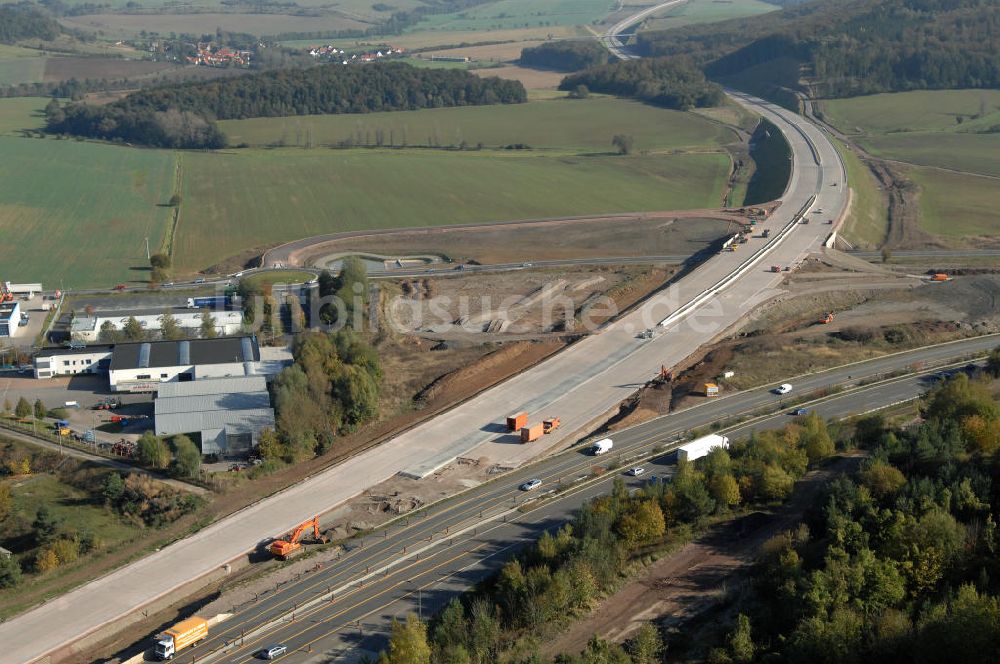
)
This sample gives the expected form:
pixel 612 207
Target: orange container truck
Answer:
pixel 532 432
pixel 517 421
pixel 183 634
pixel 551 424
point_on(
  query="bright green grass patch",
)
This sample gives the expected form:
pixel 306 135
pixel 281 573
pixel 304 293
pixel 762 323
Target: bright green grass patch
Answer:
pixel 510 14
pixel 236 201
pixel 708 11
pixel 75 213
pixel 868 223
pixel 272 277
pixel 17 113
pixel 957 205
pixel 925 110
pixel 587 124
pixel 69 505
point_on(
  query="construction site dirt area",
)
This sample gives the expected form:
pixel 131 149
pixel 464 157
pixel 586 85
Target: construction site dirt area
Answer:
pixel 650 234
pixel 517 304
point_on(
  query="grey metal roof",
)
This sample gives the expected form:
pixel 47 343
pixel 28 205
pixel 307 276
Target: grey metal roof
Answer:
pixel 212 402
pixel 213 386
pixel 233 421
pixel 200 351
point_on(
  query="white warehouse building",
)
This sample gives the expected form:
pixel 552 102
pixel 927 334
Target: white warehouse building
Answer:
pixel 88 328
pixel 142 366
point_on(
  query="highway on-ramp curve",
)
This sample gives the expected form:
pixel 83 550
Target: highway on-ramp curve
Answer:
pixel 581 385
pixel 419 563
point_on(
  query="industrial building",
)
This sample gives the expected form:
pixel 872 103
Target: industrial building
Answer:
pixel 224 415
pixel 88 327
pixel 142 366
pixel 52 362
pixel 10 318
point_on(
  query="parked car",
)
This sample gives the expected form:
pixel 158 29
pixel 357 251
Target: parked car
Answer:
pixel 784 388
pixel 530 485
pixel 273 652
pixel 635 472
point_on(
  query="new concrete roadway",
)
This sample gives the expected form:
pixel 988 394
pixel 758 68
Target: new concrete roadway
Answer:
pixel 582 385
pixel 420 562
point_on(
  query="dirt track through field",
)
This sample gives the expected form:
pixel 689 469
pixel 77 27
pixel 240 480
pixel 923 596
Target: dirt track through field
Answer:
pixel 678 587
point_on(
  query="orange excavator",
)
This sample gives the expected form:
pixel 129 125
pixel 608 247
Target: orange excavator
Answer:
pixel 285 549
pixel 827 319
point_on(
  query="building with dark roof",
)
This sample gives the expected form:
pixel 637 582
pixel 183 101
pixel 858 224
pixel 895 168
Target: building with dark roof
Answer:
pixel 141 366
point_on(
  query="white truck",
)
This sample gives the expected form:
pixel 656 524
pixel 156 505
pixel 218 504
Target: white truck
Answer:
pixel 700 447
pixel 602 446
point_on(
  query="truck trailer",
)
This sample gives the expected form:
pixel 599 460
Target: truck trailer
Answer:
pixel 699 447
pixel 180 636
pixel 532 432
pixel 602 446
pixel 516 421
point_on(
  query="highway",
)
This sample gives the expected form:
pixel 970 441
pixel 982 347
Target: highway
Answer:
pixel 420 562
pixel 582 385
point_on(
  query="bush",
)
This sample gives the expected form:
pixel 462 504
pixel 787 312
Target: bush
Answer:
pixel 862 335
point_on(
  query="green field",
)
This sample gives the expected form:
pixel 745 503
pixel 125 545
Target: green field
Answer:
pixel 17 113
pixel 954 129
pixel 586 124
pixel 75 214
pixel 248 198
pixel 868 223
pixel 20 65
pixel 510 14
pixel 957 206
pixel 708 11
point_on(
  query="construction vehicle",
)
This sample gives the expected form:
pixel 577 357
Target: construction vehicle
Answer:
pixel 775 268
pixel 711 390
pixel 516 421
pixel 183 634
pixel 665 375
pixel 532 432
pixel 286 548
pixel 940 276
pixel 765 233
pixel 551 424
pixel 5 294
pixel 827 319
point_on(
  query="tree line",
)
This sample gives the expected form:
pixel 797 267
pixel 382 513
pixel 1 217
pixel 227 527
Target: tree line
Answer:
pixel 566 571
pixel 183 115
pixel 22 21
pixel 666 82
pixel 565 55
pixel 899 561
pixel 850 48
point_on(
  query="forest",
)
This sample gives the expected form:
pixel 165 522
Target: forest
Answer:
pixel 183 115
pixel 25 22
pixel 567 55
pixel 667 82
pixel 852 48
pixel 899 562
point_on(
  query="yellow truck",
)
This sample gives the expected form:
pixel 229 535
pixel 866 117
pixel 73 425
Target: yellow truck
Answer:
pixel 183 634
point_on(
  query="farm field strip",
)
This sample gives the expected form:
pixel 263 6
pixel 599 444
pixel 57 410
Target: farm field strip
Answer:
pixel 955 205
pixel 74 214
pixel 563 123
pixel 256 197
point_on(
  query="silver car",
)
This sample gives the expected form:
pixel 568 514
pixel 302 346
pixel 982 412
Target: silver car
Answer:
pixel 530 484
pixel 273 652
